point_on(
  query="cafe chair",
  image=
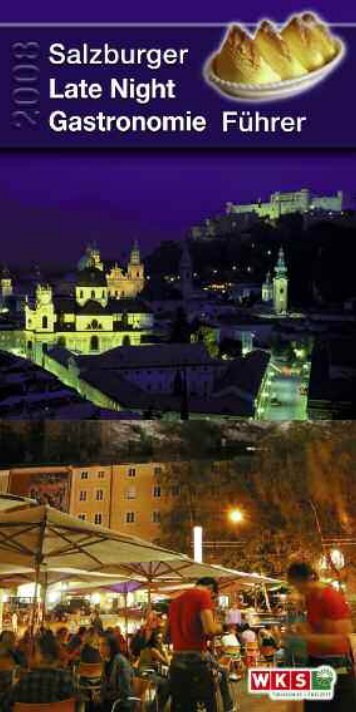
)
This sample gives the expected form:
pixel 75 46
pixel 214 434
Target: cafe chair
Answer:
pixel 90 679
pixel 145 693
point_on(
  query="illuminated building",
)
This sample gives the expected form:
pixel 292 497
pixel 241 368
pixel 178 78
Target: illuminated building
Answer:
pixel 241 217
pixel 267 289
pixel 280 285
pixel 275 291
pixel 101 311
pixel 123 496
pixel 120 284
pixel 279 204
pixel 129 284
pixel 6 288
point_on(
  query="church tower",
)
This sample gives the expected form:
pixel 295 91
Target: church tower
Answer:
pixel 136 270
pixel 280 285
pixel 267 289
pixel 42 318
pixel 6 284
pixel 186 271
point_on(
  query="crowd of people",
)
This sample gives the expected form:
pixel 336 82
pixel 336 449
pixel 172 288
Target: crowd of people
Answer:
pixel 190 658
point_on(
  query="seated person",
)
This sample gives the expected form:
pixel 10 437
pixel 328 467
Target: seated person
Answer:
pixel 248 635
pixel 230 641
pixel 7 663
pixel 268 643
pixel 75 643
pixel 90 650
pixel 24 644
pixel 62 640
pixel 120 639
pixel 153 656
pixel 118 675
pixel 45 681
pixel 9 648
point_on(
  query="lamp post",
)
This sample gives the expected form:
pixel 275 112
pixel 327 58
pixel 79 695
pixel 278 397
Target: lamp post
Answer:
pixel 198 544
pixel 234 515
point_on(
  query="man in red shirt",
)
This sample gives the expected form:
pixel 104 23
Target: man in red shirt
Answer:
pixel 327 634
pixel 191 621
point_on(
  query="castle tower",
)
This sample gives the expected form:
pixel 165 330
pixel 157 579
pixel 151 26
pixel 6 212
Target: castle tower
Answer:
pixel 136 270
pixel 186 271
pixel 6 284
pixel 280 285
pixel 267 289
pixel 42 318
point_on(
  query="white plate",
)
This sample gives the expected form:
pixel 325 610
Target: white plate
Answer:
pixel 277 90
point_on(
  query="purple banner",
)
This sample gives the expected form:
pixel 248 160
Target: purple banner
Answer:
pixel 144 87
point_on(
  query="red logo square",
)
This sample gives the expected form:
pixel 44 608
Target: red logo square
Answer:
pixel 280 679
pixel 300 680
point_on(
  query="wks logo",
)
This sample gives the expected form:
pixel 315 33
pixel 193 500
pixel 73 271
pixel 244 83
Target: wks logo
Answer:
pixel 293 683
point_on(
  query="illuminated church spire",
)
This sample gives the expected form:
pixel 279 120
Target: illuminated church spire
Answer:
pixel 280 285
pixel 135 256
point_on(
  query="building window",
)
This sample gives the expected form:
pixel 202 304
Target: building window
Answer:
pixel 82 516
pixel 156 491
pixel 101 474
pixel 131 472
pixel 82 496
pixel 98 518
pixel 92 294
pixel 99 495
pixel 130 517
pixel 44 322
pixel 84 475
pixel 156 517
pixel 157 471
pixel 131 493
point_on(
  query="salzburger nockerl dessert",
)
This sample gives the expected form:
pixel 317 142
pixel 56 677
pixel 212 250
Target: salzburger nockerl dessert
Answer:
pixel 241 61
pixel 276 52
pixel 302 46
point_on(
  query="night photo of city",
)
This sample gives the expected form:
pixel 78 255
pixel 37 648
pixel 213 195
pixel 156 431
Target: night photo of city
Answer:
pixel 206 287
pixel 177 428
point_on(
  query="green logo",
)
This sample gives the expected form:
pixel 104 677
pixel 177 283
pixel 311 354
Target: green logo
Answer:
pixel 323 678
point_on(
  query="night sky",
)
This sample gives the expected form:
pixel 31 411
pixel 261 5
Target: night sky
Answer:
pixel 51 206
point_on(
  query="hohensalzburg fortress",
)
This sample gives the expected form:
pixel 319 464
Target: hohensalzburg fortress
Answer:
pixel 300 201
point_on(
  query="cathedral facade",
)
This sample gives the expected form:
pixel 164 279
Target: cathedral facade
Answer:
pixel 100 313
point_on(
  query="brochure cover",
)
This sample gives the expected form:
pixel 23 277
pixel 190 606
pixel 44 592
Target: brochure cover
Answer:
pixel 177 356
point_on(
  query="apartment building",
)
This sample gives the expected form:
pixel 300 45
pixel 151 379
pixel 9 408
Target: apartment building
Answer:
pixel 126 497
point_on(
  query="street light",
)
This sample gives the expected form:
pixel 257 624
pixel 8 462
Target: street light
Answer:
pixel 236 516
